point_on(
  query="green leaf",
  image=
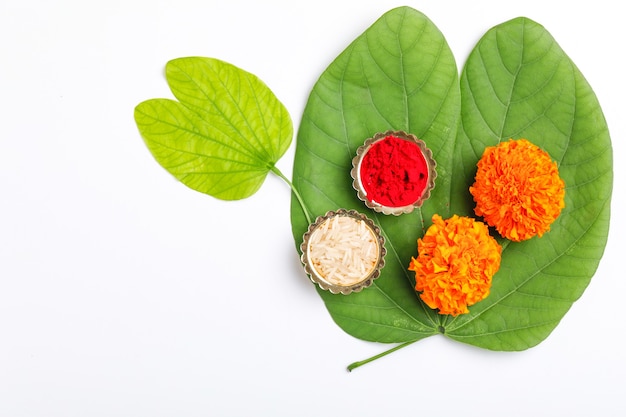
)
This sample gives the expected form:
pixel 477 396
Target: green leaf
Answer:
pixel 400 74
pixel 518 83
pixel 225 132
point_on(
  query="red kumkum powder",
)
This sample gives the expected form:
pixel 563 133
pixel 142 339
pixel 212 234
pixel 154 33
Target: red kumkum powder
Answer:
pixel 394 172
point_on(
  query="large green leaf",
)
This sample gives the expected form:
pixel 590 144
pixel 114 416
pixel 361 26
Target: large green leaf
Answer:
pixel 225 132
pixel 518 83
pixel 400 74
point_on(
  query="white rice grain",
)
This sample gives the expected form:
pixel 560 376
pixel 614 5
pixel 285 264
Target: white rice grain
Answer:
pixel 343 250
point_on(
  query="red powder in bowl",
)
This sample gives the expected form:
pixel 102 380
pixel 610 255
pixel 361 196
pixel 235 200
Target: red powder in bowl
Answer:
pixel 394 172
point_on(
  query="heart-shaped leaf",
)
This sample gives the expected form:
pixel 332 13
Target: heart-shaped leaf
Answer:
pixel 400 75
pixel 225 132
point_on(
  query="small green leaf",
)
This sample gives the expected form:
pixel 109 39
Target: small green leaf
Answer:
pixel 225 132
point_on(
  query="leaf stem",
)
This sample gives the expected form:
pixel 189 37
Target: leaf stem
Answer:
pixel 355 365
pixel 277 171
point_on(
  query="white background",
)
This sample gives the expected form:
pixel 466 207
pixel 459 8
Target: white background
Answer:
pixel 124 293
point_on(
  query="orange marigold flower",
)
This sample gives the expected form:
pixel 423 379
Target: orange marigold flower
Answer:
pixel 456 260
pixel 518 190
